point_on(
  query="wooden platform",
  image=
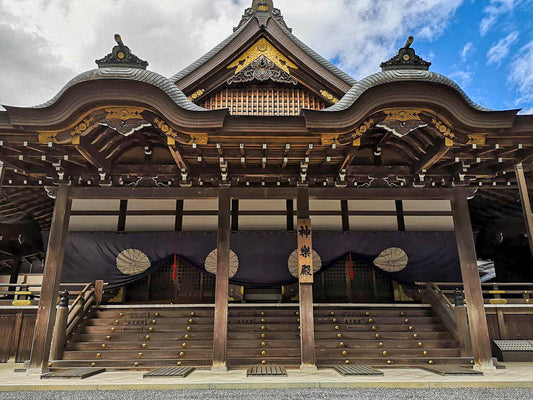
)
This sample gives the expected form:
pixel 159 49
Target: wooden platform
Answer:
pixel 79 373
pixel 450 370
pixel 266 370
pixel 165 372
pixel 349 370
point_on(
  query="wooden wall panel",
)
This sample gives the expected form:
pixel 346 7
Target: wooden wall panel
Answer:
pixel 373 223
pixel 26 338
pixel 262 222
pixel 262 205
pixel 7 324
pixel 150 223
pixel 371 205
pixel 92 223
pixel 429 223
pixel 150 204
pixel 95 204
pixel 200 223
pixel 200 204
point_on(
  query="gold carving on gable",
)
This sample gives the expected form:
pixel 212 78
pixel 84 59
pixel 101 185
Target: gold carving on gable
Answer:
pixel 402 115
pixel 175 136
pixel 262 47
pixel 82 126
pixel 328 96
pixel 124 113
pixel 165 128
pixel 198 138
pixel 196 95
pixel 478 139
pixel 329 139
pixel 45 138
pixel 359 132
pixel 445 131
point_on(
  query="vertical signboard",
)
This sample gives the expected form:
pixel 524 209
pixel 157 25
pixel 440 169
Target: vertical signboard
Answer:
pixel 305 251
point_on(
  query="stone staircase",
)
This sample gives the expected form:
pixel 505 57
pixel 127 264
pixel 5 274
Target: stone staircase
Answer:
pixel 150 336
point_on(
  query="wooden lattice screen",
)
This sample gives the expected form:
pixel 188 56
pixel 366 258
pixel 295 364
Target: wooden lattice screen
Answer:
pixel 264 100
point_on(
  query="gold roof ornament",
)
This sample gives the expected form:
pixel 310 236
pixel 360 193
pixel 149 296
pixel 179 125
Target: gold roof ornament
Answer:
pixel 262 47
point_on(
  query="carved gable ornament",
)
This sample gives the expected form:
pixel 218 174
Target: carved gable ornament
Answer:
pixel 401 122
pixel 262 62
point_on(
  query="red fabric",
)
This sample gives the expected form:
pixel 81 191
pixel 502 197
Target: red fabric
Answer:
pixel 350 266
pixel 174 266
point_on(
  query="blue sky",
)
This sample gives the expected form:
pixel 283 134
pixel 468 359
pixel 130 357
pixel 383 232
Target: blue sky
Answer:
pixel 484 45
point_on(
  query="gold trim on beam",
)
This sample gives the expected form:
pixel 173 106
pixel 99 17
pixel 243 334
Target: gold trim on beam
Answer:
pixel 262 47
pixel 478 139
pixel 329 139
pixel 402 114
pixel 124 113
pixel 198 138
pixel 196 95
pixel 360 131
pixel 328 96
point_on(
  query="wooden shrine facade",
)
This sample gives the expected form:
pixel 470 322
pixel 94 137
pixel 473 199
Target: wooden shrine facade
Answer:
pixel 262 116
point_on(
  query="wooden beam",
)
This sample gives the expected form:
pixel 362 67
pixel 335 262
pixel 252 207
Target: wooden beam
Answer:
pixel 479 331
pixel 220 335
pixel 433 156
pixel 121 226
pixel 307 330
pixel 175 151
pixel 46 312
pixel 290 215
pixel 91 154
pixel 178 223
pixel 400 216
pixel 234 215
pixel 526 204
pixel 2 173
pixel 345 216
pixel 349 158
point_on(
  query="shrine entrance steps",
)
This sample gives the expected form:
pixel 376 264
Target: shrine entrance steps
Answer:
pixel 152 336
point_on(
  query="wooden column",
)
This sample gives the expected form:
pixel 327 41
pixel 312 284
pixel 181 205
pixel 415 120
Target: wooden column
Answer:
pixel 479 332
pixel 60 330
pixel 526 205
pixel 222 281
pixel 46 312
pixel 307 329
pixel 14 277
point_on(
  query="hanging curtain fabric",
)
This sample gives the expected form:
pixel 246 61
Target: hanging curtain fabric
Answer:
pixel 350 266
pixel 174 267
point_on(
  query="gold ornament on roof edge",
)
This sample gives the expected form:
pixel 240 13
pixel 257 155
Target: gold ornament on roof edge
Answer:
pixel 262 47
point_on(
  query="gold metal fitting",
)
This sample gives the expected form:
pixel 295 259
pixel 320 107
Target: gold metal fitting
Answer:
pixel 157 315
pixel 193 314
pixel 263 336
pixel 430 362
pixel 380 344
pixel 120 314
pixel 415 335
pixel 113 329
pixel 263 362
pixel 344 352
pixel 262 313
pixel 151 329
pixel 182 353
pixel 337 327
pixel 263 327
pixel 263 344
pixel 263 320
pixel 425 352
pixel 184 344
pixel 528 301
pixel 144 345
pixel 49 364
pixel 378 335
pixel 186 337
pixel 370 321
pixel 299 328
pixel 389 362
pixel 402 314
pixel 263 352
pixel 419 344
pixel 374 327
pixel 406 320
pixel 93 364
pixel 98 355
pixel 116 322
pixel 297 312
pixel 147 337
pixel 108 337
pixel 339 335
pixel 411 327
pixel 384 353
pixel 334 320
pixel 471 361
pixel 332 314
pixel 341 344
pixel 191 321
pixel 188 329
pixel 154 322
pixel 103 346
pixel 178 363
pixel 298 320
pixel 140 355
pixel 347 362
pixel 135 364
pixel 367 314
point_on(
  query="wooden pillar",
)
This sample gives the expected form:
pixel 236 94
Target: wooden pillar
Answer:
pixel 46 312
pixel 60 329
pixel 479 332
pixel 14 277
pixel 222 281
pixel 307 329
pixel 526 205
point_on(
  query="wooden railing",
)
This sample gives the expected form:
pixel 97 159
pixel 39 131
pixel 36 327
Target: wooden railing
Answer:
pixel 493 293
pixel 18 294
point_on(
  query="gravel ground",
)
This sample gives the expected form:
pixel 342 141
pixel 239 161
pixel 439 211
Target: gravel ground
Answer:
pixel 285 394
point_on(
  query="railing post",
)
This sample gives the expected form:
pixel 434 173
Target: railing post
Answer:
pixel 461 320
pixel 98 291
pixel 60 329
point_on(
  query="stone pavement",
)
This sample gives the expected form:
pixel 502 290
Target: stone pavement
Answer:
pixel 517 375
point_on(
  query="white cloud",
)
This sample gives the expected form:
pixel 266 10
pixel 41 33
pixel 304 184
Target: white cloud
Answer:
pixel 463 78
pixel 493 11
pixel 64 37
pixel 521 76
pixel 468 49
pixel 500 50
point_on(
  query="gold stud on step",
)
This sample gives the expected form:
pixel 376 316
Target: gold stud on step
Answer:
pixel 297 313
pixel 263 320
pixel 337 327
pixel 263 327
pixel 93 364
pixel 116 322
pixel 188 329
pixel 50 365
pixel 157 314
pixel 344 352
pixel 367 313
pixel 147 337
pixel 415 335
pixel 420 344
pixel 411 327
pixel 339 335
pixel 298 320
pixel 370 321
pixel 378 335
pixel 263 362
pixel 98 355
pixel 262 313
pixel 263 344
pixel 263 353
pixel 402 314
pixel 184 344
pixel 406 320
pixel 374 327
pixel 347 362
pixel 332 314
pixel 263 336
pixel 425 352
pixel 103 346
pixel 178 363
pixel 113 329
pixel 154 322
pixel 140 355
pixel 472 362
pixel 389 362
pixel 151 329
pixel 186 337
pixel 135 364
pixel 341 344
pixel 380 344
pixel 430 362
pixel 143 345
pixel 108 337
pixel 191 321
pixel 334 320
pixel 384 353
pixel 120 314
pixel 193 314
pixel 182 353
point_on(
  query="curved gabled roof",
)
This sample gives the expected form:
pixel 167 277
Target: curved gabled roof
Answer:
pixel 133 74
pixel 398 75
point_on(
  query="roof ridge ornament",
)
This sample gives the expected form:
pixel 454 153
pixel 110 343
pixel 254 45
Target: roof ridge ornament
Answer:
pixel 405 59
pixel 263 10
pixel 121 56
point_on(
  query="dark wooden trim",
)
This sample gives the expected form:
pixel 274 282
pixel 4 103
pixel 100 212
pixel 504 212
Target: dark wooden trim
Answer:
pixel 14 275
pixel 526 204
pixel 220 335
pixel 307 330
pixel 345 216
pixel 290 215
pixel 121 226
pixel 178 223
pixel 46 312
pixel 479 332
pixel 235 215
pixel 400 215
pixel 265 193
